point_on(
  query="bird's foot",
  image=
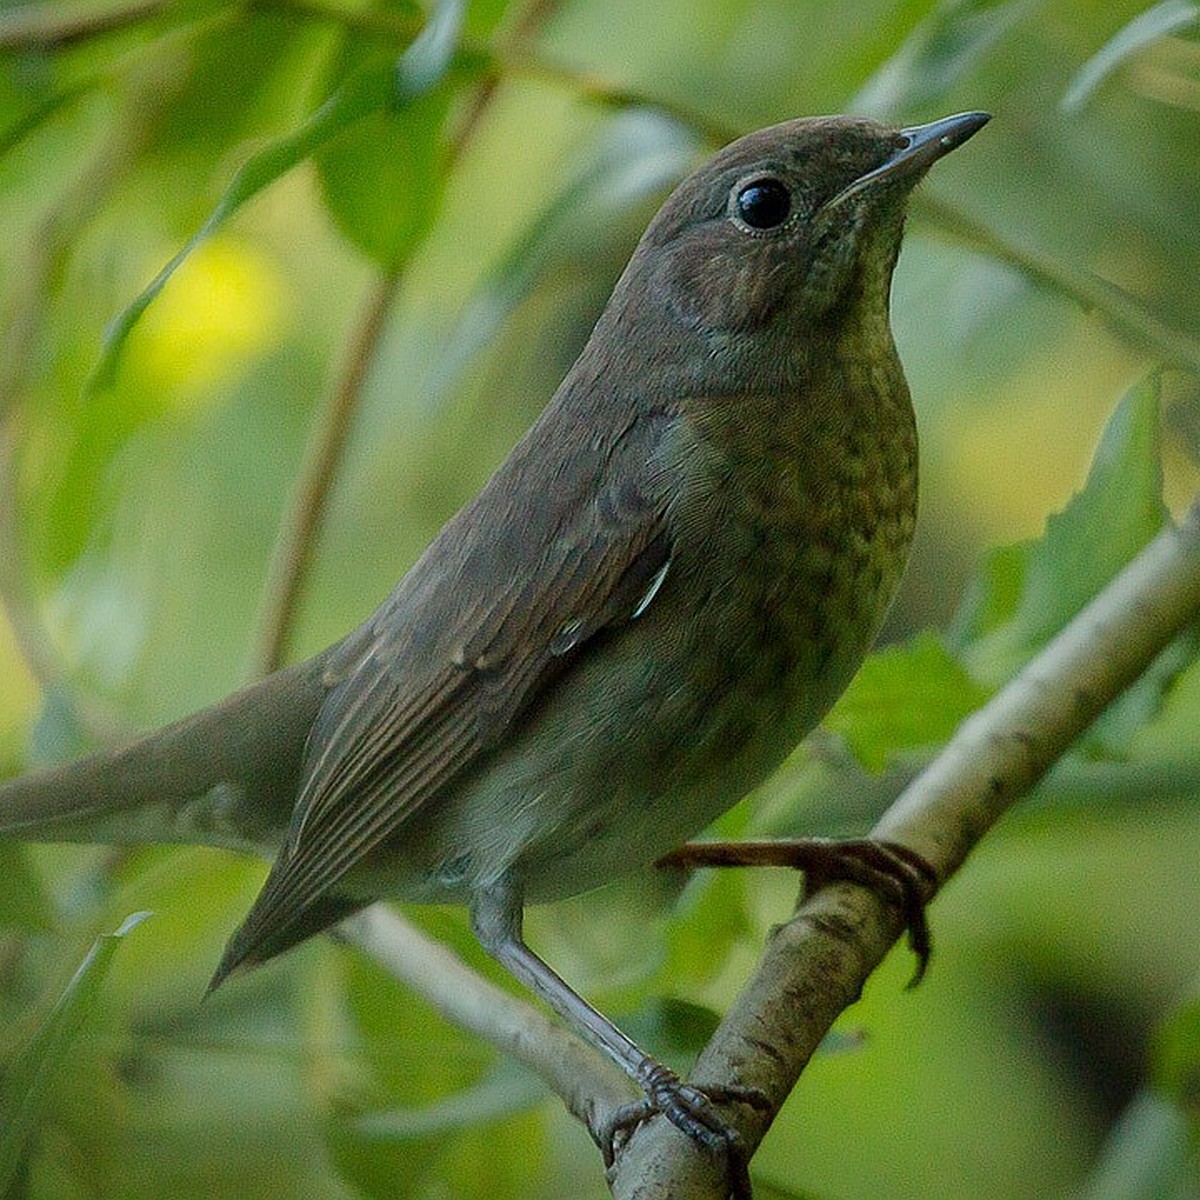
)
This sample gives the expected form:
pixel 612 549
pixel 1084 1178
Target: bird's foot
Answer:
pixel 893 872
pixel 693 1112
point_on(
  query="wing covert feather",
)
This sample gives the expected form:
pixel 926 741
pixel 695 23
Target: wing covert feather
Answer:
pixel 500 604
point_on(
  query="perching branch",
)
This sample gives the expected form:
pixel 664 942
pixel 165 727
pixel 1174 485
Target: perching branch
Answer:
pixel 589 1085
pixel 815 965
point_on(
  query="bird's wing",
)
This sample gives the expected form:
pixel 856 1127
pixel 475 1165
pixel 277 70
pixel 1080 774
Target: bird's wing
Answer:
pixel 500 604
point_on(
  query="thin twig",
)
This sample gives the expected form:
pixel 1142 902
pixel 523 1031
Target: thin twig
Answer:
pixel 589 1085
pixel 301 524
pixel 815 965
pixel 52 26
pixel 1171 346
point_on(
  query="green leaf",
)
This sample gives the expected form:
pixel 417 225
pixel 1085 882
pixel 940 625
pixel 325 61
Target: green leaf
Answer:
pixel 1146 1156
pixel 992 597
pixel 1103 526
pixel 904 697
pixel 1171 736
pixel 24 903
pixel 672 1030
pixel 382 179
pixel 360 95
pixel 505 1090
pixel 1175 1058
pixel 58 734
pixel 1146 27
pixel 29 1084
pixel 423 65
pixel 767 1190
pixel 939 51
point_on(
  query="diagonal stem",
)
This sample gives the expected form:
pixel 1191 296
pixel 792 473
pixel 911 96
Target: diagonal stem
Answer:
pixel 300 527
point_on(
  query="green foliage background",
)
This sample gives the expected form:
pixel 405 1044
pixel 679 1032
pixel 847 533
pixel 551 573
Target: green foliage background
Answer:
pixel 480 201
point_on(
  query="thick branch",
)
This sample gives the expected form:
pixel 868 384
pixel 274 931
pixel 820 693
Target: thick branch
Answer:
pixel 815 965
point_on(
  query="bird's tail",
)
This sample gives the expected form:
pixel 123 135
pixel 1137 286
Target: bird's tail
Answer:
pixel 225 776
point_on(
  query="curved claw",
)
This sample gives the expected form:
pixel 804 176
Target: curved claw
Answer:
pixel 691 1111
pixel 893 871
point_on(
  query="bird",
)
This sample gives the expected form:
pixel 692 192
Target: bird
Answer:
pixel 655 597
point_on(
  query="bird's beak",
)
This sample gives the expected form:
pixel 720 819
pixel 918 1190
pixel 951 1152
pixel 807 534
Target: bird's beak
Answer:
pixel 920 147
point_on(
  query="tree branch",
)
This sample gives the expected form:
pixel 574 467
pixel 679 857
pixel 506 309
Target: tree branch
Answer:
pixel 588 1084
pixel 815 965
pixel 53 26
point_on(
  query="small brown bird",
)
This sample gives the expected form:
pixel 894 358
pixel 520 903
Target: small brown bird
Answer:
pixel 656 596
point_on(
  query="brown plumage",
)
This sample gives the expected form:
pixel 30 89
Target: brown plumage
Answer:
pixel 660 591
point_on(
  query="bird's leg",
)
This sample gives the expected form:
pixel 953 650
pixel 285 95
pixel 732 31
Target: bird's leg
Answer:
pixel 496 918
pixel 893 872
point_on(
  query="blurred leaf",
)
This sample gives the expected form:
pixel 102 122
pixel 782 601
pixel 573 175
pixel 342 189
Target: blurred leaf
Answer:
pixel 939 51
pixel 24 903
pixel 713 918
pixel 1121 725
pixel 494 1132
pixel 423 65
pixel 1147 1155
pixel 673 1031
pixel 505 1090
pixel 766 1190
pixel 58 734
pixel 34 117
pixel 639 153
pixel 1155 22
pixel 904 697
pixel 30 1083
pixel 382 178
pixel 245 75
pixel 1172 736
pixel 1175 1061
pixel 1103 526
pixel 992 597
pixel 360 95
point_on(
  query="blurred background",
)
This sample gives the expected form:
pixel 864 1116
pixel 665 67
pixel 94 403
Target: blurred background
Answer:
pixel 437 265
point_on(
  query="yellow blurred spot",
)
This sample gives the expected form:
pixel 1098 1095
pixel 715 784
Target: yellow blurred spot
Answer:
pixel 1027 451
pixel 223 306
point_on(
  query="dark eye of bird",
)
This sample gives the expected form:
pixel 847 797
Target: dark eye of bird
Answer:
pixel 763 204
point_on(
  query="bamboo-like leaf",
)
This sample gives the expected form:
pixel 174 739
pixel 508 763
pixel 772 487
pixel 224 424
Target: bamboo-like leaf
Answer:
pixel 29 1084
pixel 364 93
pixel 1146 27
pixel 941 48
pixel 426 61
